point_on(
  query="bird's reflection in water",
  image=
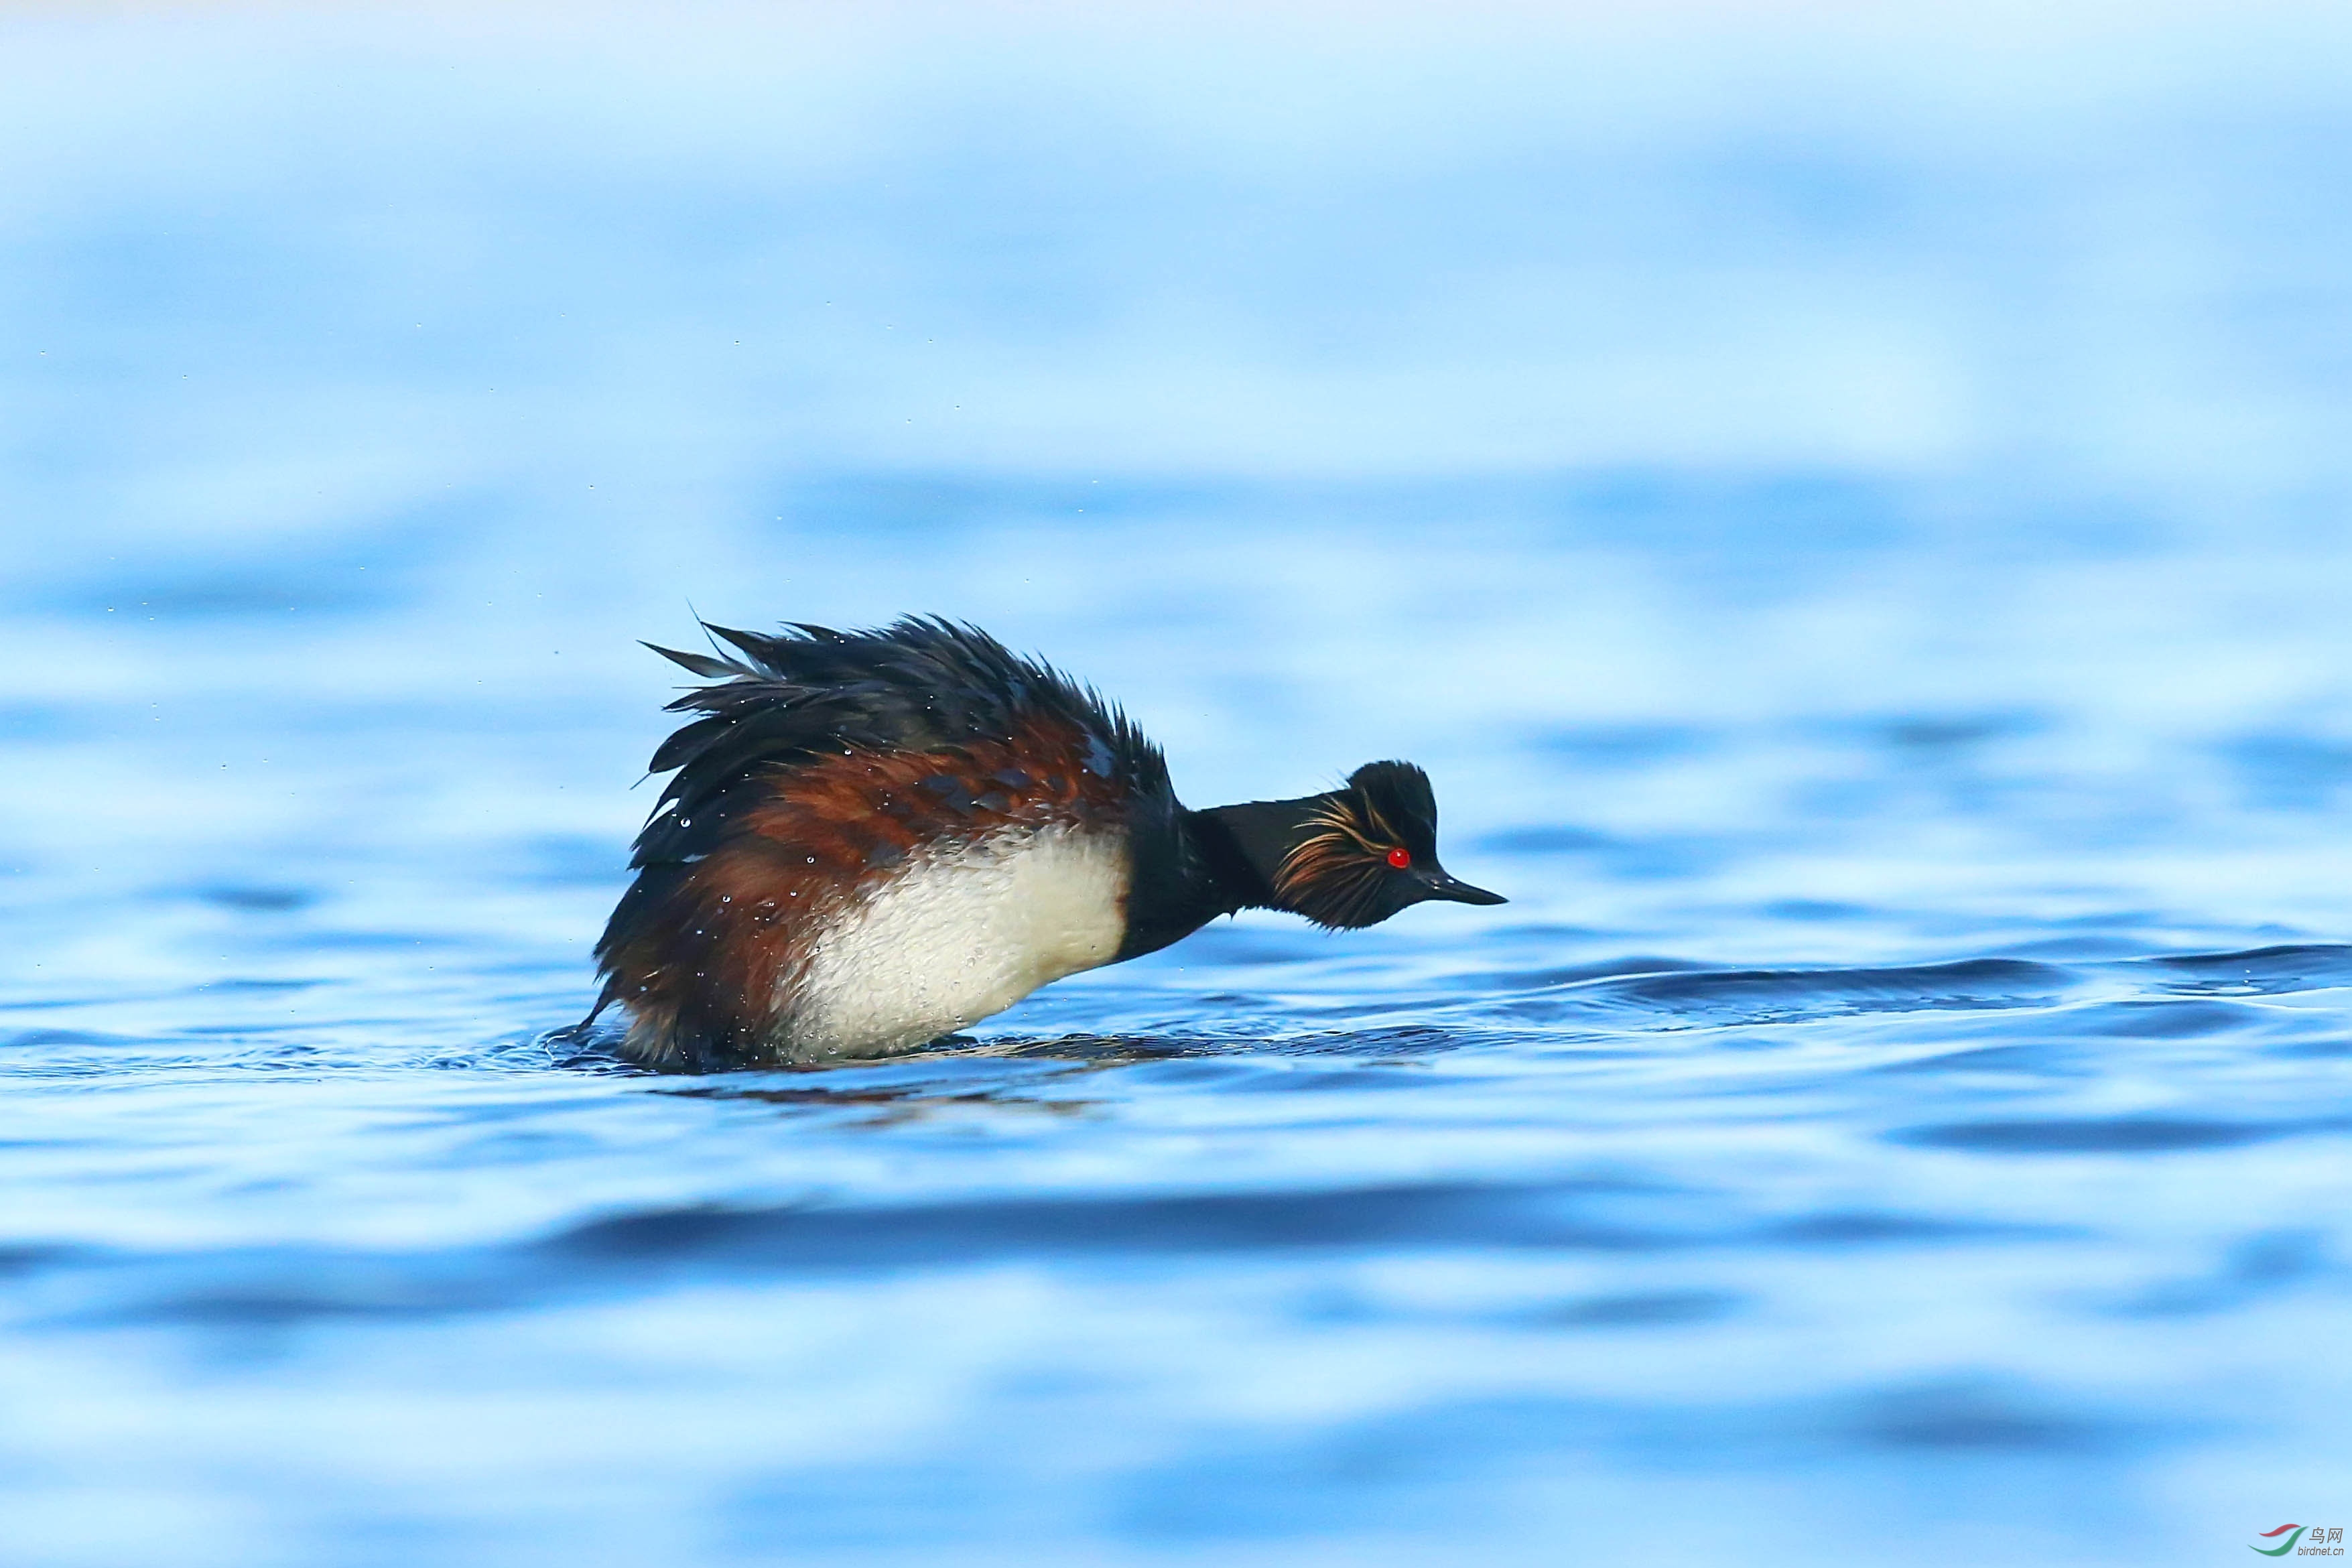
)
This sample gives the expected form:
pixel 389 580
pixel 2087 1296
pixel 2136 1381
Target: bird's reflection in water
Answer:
pixel 914 1094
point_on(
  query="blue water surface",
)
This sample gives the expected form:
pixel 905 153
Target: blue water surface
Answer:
pixel 1851 512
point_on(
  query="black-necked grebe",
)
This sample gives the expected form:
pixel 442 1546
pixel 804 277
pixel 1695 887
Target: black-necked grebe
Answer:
pixel 875 839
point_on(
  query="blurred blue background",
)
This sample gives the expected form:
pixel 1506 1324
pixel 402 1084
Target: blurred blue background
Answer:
pixel 1849 503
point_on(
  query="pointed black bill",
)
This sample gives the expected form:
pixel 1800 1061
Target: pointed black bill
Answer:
pixel 1455 891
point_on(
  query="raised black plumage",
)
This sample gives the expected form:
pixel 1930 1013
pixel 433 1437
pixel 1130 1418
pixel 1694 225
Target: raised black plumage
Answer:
pixel 922 684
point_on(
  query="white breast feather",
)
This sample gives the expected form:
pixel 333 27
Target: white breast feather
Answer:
pixel 950 939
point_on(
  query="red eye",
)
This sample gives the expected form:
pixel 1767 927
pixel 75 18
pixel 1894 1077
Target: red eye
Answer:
pixel 1400 858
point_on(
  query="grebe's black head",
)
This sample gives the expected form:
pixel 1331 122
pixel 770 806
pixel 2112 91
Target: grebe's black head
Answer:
pixel 1357 856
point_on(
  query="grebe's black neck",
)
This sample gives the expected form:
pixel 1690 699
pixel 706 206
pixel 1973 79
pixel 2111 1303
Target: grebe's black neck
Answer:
pixel 1195 866
pixel 1253 840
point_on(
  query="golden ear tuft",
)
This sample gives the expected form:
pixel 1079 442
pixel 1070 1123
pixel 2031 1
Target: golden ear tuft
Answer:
pixel 1333 875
